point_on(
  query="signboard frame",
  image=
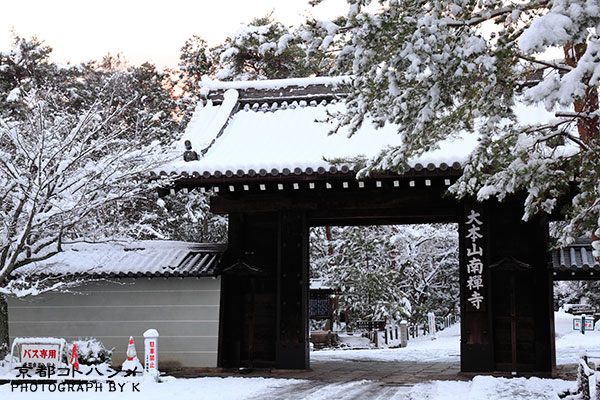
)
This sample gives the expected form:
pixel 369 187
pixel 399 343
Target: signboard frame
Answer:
pixel 589 324
pixel 37 343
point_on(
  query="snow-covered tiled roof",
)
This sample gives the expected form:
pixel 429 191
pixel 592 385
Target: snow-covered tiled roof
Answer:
pixel 147 258
pixel 575 260
pixel 280 127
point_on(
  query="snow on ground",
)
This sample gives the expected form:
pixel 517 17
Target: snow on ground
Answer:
pixel 570 343
pixel 446 348
pixel 197 388
pixel 233 388
pixel 490 388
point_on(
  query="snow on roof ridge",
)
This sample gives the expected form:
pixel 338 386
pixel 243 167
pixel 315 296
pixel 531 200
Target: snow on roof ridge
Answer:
pixel 208 84
pixel 292 138
pixel 215 119
pixel 131 259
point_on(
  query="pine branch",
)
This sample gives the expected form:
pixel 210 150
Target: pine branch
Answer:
pixel 562 68
pixel 487 15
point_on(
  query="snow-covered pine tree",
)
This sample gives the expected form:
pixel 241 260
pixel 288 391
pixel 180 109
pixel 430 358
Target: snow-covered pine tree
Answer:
pixel 427 257
pixel 195 61
pixel 389 272
pixel 574 292
pixel 360 270
pixel 265 49
pixel 27 66
pixel 181 216
pixel 438 68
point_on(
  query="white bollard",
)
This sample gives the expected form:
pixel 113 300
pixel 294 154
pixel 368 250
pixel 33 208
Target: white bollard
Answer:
pixel 151 353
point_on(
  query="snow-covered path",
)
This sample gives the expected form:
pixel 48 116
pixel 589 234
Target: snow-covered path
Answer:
pixel 570 343
pixel 480 388
pixel 234 388
pixel 339 391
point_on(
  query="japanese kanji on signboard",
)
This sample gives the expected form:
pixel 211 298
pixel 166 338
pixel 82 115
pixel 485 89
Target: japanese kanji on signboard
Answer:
pixel 474 257
pixel 38 354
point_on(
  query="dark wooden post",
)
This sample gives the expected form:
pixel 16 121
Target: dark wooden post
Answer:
pixel 229 354
pixel 476 350
pixel 512 329
pixel 292 348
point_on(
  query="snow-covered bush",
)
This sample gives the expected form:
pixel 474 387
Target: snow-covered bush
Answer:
pixel 91 351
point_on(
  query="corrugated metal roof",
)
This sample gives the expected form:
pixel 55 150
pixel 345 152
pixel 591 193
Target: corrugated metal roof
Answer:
pixel 149 258
pixel 576 260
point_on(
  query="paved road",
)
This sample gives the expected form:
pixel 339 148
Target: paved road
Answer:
pixel 312 390
pixel 383 373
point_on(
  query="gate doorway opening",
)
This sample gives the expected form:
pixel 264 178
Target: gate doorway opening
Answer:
pixel 368 284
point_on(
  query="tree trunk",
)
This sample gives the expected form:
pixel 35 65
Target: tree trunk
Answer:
pixel 4 343
pixel 587 126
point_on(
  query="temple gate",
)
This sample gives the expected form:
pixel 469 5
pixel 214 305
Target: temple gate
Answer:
pixel 275 172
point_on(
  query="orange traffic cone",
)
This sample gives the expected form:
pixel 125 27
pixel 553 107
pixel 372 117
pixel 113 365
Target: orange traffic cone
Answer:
pixel 132 364
pixel 130 349
pixel 74 361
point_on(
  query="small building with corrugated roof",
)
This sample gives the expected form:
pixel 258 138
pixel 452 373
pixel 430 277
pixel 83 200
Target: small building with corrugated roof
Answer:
pixel 121 289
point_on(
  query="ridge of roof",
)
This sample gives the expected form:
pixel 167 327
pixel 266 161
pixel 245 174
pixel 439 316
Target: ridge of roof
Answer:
pixel 208 84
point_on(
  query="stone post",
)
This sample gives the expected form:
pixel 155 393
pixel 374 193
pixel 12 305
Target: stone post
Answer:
pixel 431 323
pixel 403 333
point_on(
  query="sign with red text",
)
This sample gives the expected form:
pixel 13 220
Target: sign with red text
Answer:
pixel 151 359
pixel 589 324
pixel 151 352
pixel 40 354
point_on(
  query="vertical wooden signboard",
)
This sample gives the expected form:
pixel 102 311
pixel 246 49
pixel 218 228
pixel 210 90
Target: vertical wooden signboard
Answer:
pixel 476 351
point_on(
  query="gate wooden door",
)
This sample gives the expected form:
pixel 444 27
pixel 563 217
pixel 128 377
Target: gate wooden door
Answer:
pixel 513 317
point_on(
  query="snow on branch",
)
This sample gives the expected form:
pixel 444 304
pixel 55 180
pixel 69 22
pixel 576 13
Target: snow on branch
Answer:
pixel 56 168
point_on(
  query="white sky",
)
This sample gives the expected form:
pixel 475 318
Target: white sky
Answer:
pixel 150 30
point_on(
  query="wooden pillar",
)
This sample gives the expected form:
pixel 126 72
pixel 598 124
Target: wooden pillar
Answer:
pixel 229 347
pixel 476 349
pixel 507 315
pixel 292 292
